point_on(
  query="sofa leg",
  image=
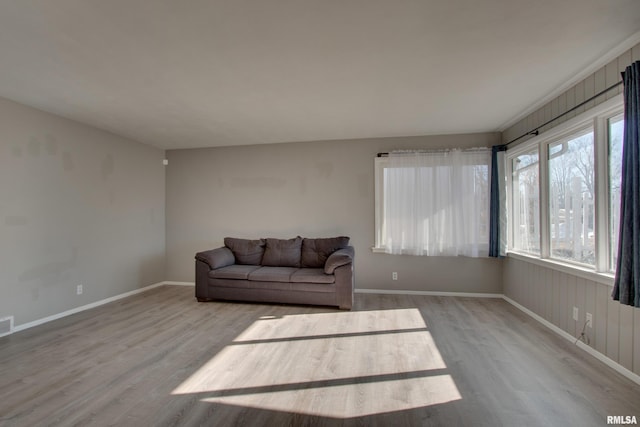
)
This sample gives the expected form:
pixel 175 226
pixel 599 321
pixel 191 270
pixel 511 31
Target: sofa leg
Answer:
pixel 200 299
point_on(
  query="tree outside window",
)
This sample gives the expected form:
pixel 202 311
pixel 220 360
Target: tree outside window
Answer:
pixel 571 198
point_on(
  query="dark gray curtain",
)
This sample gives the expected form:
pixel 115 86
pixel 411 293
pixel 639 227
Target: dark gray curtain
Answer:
pixel 627 283
pixel 494 207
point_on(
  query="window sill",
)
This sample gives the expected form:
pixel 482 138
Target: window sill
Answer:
pixel 378 250
pixel 585 273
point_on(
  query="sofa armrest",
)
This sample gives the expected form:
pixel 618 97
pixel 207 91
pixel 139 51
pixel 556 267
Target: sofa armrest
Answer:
pixel 217 258
pixel 339 258
pixel 202 280
pixel 345 285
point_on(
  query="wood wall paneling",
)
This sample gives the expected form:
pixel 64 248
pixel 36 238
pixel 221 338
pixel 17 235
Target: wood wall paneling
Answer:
pixel 579 96
pixel 612 76
pixel 571 303
pixel 623 61
pixel 613 330
pixel 564 305
pixel 530 292
pixel 589 91
pixel 549 295
pixel 539 297
pixel 626 336
pixel 547 112
pixel 580 300
pixel 600 85
pixel 600 318
pixel 530 122
pixel 556 299
pixel 555 110
pixel 635 54
pixel 562 106
pixel 590 307
pixel 571 101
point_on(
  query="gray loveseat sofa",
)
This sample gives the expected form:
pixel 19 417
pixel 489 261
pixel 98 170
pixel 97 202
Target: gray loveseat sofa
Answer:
pixel 295 271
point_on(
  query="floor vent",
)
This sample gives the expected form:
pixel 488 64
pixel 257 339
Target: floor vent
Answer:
pixel 6 326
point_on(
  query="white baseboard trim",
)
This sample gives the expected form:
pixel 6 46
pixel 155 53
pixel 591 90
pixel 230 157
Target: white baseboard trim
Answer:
pixel 595 353
pixel 179 283
pixel 427 293
pixel 66 313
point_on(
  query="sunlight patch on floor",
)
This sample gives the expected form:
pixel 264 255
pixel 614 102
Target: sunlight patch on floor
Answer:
pixel 344 322
pixel 352 400
pixel 332 364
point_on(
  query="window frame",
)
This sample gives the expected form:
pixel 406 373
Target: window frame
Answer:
pixel 380 164
pixel 520 150
pixel 588 127
pixel 597 119
pixel 606 215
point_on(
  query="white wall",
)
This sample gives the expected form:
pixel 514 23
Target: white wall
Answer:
pixel 312 189
pixel 77 206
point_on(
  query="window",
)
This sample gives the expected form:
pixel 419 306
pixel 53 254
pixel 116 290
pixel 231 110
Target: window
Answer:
pixel 614 135
pixel 565 190
pixel 571 198
pixel 526 202
pixel 433 203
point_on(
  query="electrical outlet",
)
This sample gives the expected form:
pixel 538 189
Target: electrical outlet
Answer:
pixel 79 290
pixel 575 313
pixel 394 275
pixel 589 320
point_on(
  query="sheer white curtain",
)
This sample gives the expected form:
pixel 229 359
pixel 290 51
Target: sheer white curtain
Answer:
pixel 437 203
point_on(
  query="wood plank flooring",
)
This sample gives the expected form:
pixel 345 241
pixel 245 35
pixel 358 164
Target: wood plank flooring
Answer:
pixel 162 359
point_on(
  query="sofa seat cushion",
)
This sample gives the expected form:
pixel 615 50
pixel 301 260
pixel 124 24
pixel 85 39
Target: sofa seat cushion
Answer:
pixel 312 275
pixel 272 274
pixel 233 272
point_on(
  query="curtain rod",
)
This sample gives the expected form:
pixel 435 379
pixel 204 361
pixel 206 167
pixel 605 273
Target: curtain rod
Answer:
pixel 536 130
pixel 442 150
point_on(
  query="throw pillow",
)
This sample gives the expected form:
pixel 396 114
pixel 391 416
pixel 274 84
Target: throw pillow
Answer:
pixel 316 251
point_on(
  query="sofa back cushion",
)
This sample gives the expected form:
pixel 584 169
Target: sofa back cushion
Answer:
pixel 247 252
pixel 316 251
pixel 282 253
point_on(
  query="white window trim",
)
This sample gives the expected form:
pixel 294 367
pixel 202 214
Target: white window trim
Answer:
pixel 380 164
pixel 519 150
pixel 595 117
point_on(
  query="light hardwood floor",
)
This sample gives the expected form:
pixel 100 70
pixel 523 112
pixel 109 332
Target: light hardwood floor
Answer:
pixel 160 358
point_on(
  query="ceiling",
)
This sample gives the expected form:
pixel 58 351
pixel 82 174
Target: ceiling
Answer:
pixel 203 73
